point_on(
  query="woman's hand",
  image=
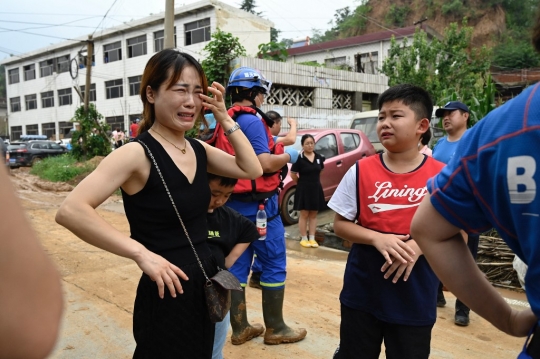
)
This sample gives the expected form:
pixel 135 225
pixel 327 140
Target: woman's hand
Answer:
pixel 393 246
pixel 401 268
pixel 216 104
pixel 162 272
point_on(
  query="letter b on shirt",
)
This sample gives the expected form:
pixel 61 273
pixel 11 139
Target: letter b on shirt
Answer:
pixel 519 175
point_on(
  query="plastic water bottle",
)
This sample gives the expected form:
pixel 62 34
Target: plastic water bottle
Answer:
pixel 261 222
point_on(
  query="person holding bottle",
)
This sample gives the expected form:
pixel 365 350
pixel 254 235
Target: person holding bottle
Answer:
pixel 309 196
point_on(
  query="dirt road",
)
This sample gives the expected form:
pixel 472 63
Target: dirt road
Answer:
pixel 100 288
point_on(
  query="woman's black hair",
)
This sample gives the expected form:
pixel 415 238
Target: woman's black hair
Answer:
pixel 305 137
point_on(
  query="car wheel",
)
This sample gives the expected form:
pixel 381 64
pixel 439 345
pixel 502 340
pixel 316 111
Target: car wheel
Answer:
pixel 288 214
pixel 35 160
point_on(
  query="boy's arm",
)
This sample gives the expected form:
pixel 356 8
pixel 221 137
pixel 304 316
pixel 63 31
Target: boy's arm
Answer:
pixel 235 253
pixel 389 245
pixel 449 256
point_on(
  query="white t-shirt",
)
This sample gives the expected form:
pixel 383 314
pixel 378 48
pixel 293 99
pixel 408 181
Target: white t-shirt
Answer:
pixel 343 200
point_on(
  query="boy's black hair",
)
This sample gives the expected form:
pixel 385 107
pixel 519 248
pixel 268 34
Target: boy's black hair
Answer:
pixel 223 181
pixel 413 96
pixel 274 116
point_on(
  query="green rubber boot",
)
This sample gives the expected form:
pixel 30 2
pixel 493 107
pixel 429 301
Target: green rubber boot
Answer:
pixel 242 330
pixel 277 332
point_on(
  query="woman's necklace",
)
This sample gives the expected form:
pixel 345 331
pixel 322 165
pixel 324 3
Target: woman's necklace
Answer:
pixel 183 150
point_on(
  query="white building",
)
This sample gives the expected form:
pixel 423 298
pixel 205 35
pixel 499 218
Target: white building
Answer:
pixel 317 97
pixel 364 53
pixel 41 84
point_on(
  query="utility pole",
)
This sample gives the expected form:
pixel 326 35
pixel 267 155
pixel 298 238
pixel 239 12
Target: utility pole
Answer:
pixel 90 53
pixel 169 25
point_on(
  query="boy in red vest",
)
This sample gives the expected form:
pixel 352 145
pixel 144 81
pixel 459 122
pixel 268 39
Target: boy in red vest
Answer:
pixel 389 290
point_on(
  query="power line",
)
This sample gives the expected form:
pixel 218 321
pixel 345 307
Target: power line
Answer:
pixel 104 16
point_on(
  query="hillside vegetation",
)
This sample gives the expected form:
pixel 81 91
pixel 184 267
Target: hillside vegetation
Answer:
pixel 503 25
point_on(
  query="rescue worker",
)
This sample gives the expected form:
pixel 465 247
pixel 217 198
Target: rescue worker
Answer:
pixel 248 89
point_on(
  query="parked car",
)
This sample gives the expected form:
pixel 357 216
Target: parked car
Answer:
pixel 367 121
pixel 28 153
pixel 341 148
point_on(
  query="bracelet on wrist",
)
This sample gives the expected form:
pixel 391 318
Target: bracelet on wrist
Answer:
pixel 232 129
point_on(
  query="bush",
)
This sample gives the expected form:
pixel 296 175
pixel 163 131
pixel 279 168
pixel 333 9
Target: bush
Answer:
pixel 60 168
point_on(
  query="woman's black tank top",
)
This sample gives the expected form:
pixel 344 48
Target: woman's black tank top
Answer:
pixel 151 216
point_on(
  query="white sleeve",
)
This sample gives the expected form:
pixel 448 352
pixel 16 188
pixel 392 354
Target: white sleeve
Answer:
pixel 343 201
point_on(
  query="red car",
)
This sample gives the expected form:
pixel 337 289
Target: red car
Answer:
pixel 341 148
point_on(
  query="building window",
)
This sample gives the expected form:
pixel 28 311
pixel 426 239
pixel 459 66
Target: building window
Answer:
pixel 47 99
pixel 159 39
pixel 15 103
pixel 29 72
pixel 114 88
pixel 31 102
pixel 112 52
pixel 62 64
pixel 13 76
pixel 197 31
pixel 32 130
pixel 48 129
pixel 46 68
pixel 83 59
pixel 16 133
pixel 136 46
pixel 116 122
pixel 336 61
pixel 64 97
pixel 367 62
pixel 291 96
pixel 134 85
pixel 92 93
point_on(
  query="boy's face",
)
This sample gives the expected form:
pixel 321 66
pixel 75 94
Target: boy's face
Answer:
pixel 397 127
pixel 219 195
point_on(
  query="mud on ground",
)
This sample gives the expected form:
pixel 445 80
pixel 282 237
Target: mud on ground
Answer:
pixel 99 290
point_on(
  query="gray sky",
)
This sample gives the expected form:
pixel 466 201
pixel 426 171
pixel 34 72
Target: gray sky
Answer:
pixel 27 25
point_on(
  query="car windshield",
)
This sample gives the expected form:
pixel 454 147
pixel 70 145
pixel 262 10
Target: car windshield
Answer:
pixel 368 126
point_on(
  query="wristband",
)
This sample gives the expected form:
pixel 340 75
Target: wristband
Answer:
pixel 232 129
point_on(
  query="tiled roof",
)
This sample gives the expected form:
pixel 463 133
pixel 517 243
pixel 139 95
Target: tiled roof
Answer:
pixel 362 39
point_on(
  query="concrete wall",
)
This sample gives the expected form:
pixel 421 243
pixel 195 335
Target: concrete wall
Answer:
pixel 324 81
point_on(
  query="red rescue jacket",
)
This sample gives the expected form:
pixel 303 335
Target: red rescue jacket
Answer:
pixel 263 187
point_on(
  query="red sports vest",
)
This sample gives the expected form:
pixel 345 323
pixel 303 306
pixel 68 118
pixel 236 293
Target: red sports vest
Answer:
pixel 387 201
pixel 266 185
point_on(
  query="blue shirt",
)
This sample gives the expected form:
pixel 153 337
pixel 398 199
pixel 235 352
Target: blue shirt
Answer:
pixel 255 132
pixel 444 150
pixel 494 182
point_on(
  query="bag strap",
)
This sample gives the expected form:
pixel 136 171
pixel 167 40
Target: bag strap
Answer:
pixel 208 281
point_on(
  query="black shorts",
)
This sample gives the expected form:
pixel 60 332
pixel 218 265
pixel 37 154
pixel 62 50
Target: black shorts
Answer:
pixel 361 336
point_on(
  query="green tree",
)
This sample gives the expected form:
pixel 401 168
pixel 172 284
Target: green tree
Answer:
pixel 91 139
pixel 249 6
pixel 275 51
pixel 439 66
pixel 274 34
pixel 346 23
pixel 397 15
pixel 223 48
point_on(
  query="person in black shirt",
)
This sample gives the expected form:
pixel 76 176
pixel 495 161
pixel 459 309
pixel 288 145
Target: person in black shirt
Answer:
pixel 309 196
pixel 229 235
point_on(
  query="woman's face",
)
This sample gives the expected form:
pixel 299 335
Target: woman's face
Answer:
pixel 177 107
pixel 309 145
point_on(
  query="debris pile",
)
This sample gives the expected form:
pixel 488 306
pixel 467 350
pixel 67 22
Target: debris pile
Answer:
pixel 495 259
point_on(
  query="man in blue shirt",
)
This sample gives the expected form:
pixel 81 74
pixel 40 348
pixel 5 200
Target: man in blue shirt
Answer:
pixel 493 182
pixel 455 118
